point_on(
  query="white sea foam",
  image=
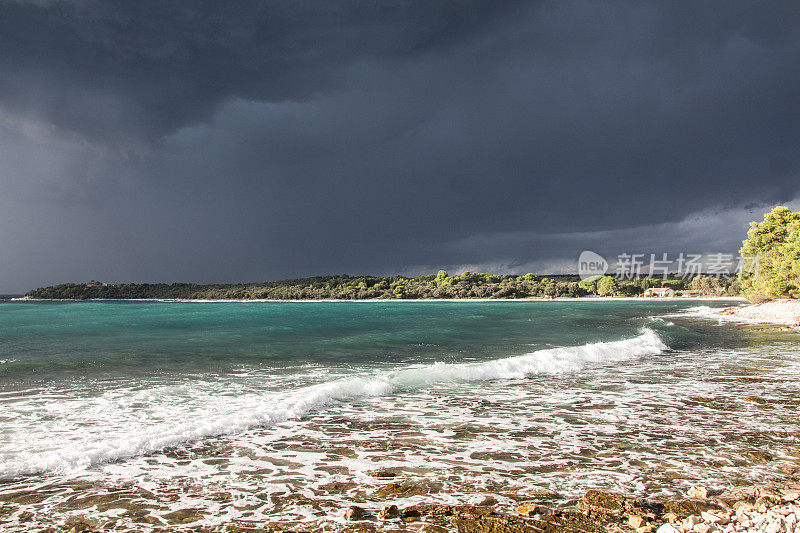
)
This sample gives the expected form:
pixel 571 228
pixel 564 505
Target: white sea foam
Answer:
pixel 699 311
pixel 660 320
pixel 79 431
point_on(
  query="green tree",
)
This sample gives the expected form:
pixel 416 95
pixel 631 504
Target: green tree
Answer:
pixel 607 286
pixel 442 278
pixel 771 256
pixel 589 285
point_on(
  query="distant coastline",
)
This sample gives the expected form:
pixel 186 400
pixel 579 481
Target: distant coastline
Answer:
pixel 441 286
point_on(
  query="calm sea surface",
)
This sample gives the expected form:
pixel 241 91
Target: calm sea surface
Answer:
pixel 139 414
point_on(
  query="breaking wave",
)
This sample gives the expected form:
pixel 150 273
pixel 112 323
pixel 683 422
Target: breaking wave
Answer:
pixel 77 433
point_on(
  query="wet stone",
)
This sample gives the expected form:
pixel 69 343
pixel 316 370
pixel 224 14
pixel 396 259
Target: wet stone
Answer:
pixel 338 487
pixel 360 528
pixel 149 519
pixel 434 528
pixel 497 456
pixel 528 509
pixel 754 399
pixel 334 469
pixel 342 452
pixel 184 516
pixel 759 457
pixel 608 503
pixel 389 512
pixel 559 522
pixel 402 490
pixel 354 512
pixel 26 497
pixel 383 474
pixel 79 528
pixel 684 508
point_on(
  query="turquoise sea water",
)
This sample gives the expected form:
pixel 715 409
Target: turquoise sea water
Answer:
pixel 564 396
pixel 68 340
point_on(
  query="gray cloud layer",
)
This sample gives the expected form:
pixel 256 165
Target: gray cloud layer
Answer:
pixel 183 141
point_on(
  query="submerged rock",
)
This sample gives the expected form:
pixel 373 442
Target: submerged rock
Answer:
pixel 754 399
pixel 403 490
pixel 79 525
pixel 354 512
pixel 184 516
pixel 759 457
pixel 338 487
pixel 389 512
pixel 382 474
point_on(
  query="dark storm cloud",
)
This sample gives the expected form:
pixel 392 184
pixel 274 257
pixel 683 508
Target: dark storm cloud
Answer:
pixel 176 140
pixel 143 69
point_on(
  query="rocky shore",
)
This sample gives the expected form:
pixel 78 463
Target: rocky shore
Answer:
pixel 782 312
pixel 771 508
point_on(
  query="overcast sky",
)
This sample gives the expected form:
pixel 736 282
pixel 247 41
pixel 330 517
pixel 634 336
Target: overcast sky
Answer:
pixel 236 141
